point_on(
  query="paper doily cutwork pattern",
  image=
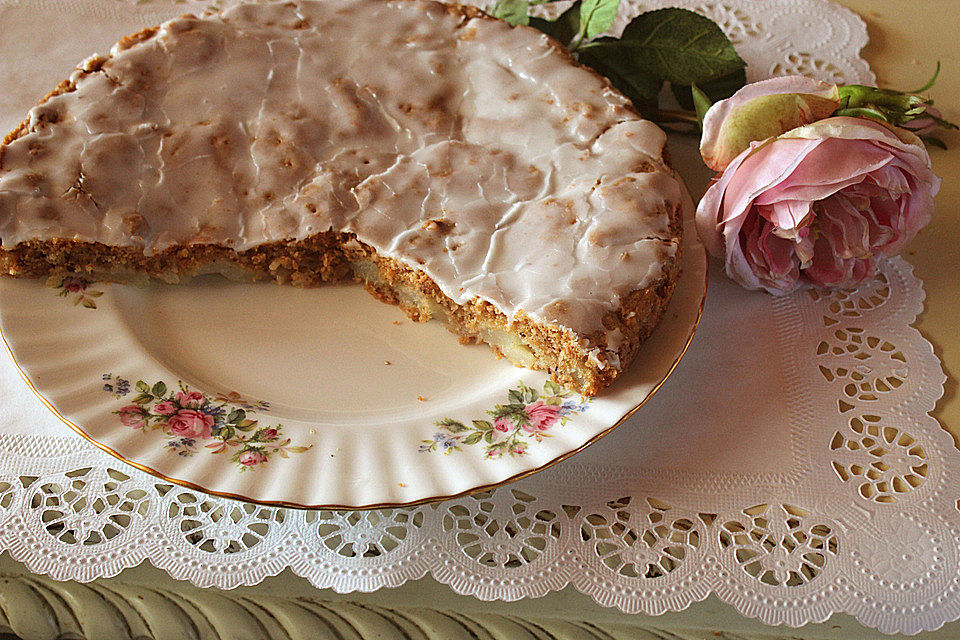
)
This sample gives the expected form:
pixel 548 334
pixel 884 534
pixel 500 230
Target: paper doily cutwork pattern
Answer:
pixel 861 519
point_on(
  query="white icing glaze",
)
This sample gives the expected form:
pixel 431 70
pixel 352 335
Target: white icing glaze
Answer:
pixel 279 121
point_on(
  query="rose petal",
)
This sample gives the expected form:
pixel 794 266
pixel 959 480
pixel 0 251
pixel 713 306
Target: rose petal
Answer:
pixel 787 216
pixel 757 259
pixel 764 167
pixel 833 165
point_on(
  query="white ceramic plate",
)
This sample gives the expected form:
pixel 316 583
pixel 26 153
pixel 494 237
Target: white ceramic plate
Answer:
pixel 309 397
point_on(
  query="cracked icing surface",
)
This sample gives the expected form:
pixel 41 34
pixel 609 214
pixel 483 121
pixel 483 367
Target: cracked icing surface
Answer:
pixel 463 147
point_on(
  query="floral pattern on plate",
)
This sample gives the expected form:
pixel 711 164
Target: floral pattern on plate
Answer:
pixel 191 419
pixel 75 287
pixel 528 414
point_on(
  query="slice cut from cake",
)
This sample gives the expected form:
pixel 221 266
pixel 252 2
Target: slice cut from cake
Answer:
pixel 459 167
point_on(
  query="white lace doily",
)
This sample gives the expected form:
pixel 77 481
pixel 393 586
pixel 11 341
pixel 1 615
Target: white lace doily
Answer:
pixel 789 465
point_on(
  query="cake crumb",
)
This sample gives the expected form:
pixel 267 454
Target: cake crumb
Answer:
pixel 387 362
pixel 421 399
pixel 396 322
pixel 401 484
pixel 313 432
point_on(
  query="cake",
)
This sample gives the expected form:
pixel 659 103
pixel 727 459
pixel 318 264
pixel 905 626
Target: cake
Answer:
pixel 459 167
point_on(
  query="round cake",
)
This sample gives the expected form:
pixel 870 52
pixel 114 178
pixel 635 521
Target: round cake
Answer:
pixel 457 166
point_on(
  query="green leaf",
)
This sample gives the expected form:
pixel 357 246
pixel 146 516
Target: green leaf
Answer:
pixel 501 410
pixel 933 141
pixel 515 396
pixel 530 395
pixel 564 28
pixel 674 45
pixel 88 303
pixel 488 436
pixel 483 425
pixel 551 388
pixel 862 112
pixel 473 438
pixel 513 11
pixel 715 90
pixel 143 398
pixel 596 16
pixel 247 425
pixel 946 124
pixel 142 386
pixel 453 426
pixel 701 103
pixel 159 389
pixel 235 416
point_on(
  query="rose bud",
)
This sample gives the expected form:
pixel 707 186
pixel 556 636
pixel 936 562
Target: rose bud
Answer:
pixel 763 110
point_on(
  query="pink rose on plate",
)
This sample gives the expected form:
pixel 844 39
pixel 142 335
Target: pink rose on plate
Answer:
pixel 165 408
pixel 252 457
pixel 190 423
pixel 502 424
pixel 542 416
pixel 816 203
pixel 133 415
pixel 190 400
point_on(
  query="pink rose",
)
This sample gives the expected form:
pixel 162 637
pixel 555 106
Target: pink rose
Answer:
pixel 252 457
pixel 542 416
pixel 165 408
pixel 133 415
pixel 816 203
pixel 269 434
pixel 502 424
pixel 191 400
pixel 73 286
pixel 191 423
pixel 518 449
